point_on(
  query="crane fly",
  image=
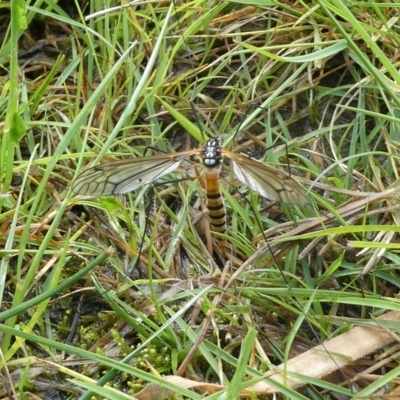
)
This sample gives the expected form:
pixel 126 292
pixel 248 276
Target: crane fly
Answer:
pixel 124 176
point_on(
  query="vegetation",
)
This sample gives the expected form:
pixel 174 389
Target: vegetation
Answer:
pixel 127 297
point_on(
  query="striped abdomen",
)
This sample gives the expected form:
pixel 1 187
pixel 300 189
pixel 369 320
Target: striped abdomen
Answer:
pixel 216 209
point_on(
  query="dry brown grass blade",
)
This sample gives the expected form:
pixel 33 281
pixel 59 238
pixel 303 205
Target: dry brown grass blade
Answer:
pixel 346 211
pixel 317 362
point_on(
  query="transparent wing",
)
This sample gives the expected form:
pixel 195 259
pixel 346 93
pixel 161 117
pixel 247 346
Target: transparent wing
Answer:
pixel 269 182
pixel 120 177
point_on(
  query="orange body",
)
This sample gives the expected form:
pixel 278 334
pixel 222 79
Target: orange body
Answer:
pixel 215 204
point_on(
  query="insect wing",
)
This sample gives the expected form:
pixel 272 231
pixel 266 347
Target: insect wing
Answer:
pixel 121 177
pixel 269 182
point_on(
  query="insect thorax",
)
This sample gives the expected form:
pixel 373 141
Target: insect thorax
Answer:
pixel 212 153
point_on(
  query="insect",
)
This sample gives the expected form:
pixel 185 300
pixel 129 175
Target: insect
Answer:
pixel 121 177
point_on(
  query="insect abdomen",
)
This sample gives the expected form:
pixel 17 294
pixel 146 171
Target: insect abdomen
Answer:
pixel 216 209
pixel 215 203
